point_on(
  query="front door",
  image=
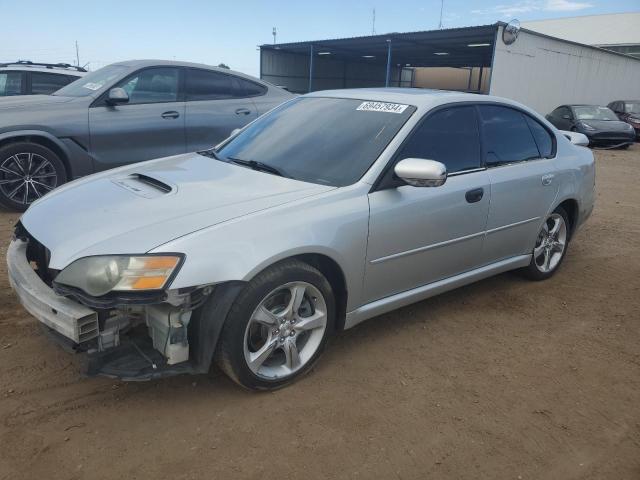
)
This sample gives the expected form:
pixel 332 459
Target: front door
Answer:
pixel 519 154
pixel 418 235
pixel 150 125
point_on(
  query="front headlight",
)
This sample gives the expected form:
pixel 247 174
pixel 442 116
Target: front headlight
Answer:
pixel 98 276
pixel 586 126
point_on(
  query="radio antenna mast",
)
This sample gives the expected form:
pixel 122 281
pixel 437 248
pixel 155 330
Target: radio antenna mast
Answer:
pixel 373 23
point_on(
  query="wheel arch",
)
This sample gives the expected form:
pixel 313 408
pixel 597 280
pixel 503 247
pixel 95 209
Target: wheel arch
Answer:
pixel 43 139
pixel 327 265
pixel 570 205
pixel 335 276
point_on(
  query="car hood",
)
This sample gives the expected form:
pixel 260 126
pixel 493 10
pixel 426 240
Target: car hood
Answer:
pixel 142 206
pixel 607 125
pixel 28 101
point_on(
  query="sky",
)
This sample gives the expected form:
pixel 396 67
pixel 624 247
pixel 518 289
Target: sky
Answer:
pixel 213 31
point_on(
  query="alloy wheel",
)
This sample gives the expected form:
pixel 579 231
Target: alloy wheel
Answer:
pixel 285 330
pixel 551 243
pixel 25 177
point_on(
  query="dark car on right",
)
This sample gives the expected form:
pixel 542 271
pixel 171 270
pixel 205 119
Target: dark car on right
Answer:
pixel 628 111
pixel 601 126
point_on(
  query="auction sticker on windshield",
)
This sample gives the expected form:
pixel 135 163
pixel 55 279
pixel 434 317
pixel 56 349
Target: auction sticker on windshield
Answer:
pixel 382 107
pixel 93 85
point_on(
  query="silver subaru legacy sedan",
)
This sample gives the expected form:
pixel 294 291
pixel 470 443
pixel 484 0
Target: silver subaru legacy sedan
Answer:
pixel 333 208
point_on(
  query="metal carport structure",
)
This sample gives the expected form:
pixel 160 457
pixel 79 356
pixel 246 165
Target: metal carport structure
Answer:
pixel 537 70
pixel 377 60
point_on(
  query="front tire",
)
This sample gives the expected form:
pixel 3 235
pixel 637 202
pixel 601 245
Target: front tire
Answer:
pixel 28 171
pixel 277 327
pixel 550 247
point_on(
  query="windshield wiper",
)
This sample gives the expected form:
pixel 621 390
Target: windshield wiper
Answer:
pixel 255 165
pixel 210 153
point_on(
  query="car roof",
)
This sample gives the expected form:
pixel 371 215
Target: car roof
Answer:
pixel 134 64
pixel 16 67
pixel 419 97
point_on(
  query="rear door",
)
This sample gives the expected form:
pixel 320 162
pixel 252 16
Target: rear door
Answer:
pixel 520 156
pixel 418 235
pixel 217 104
pixel 150 125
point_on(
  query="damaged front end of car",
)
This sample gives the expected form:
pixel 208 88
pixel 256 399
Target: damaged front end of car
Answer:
pixel 119 310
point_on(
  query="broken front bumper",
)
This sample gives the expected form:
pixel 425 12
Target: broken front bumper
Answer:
pixel 68 318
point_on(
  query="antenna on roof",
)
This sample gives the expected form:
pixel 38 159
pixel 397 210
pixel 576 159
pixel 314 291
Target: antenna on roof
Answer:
pixel 274 33
pixel 373 23
pixel 441 8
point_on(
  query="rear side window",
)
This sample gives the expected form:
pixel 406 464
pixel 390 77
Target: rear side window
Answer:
pixel 542 137
pixel 449 136
pixel 251 89
pixel 46 83
pixel 10 83
pixel 506 136
pixel 153 85
pixel 209 85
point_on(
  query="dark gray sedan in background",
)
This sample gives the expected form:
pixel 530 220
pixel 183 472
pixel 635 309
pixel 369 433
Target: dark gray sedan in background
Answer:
pixel 601 126
pixel 123 113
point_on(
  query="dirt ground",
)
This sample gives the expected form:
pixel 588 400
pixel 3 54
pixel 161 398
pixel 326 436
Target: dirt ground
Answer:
pixel 504 379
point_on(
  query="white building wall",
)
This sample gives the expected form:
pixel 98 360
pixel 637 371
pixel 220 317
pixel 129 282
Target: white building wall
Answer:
pixel 543 72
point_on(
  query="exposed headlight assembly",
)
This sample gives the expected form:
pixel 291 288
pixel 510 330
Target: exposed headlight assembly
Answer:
pixel 100 275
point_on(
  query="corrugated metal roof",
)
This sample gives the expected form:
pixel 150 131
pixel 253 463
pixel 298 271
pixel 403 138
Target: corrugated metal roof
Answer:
pixel 446 47
pixel 607 29
pixel 427 34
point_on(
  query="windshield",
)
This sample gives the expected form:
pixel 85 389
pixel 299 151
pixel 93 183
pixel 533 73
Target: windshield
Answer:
pixel 331 141
pixel 92 82
pixel 594 113
pixel 632 107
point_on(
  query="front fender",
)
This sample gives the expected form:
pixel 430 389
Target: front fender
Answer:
pixel 334 224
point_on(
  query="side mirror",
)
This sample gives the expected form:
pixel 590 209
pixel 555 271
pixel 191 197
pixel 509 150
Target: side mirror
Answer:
pixel 420 172
pixel 576 138
pixel 117 96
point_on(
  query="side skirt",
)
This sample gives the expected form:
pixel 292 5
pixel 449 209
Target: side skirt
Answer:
pixel 402 299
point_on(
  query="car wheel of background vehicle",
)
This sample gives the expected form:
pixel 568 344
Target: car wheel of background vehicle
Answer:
pixel 277 327
pixel 28 171
pixel 551 246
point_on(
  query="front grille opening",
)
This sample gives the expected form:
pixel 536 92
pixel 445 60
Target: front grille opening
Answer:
pixel 37 254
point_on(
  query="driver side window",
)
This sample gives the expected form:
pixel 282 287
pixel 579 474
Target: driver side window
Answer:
pixel 153 85
pixel 450 136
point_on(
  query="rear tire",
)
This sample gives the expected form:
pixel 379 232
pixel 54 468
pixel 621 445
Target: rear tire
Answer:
pixel 28 171
pixel 550 247
pixel 278 326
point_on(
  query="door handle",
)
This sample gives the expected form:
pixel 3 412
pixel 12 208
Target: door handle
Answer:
pixel 547 179
pixel 243 111
pixel 171 114
pixel 474 195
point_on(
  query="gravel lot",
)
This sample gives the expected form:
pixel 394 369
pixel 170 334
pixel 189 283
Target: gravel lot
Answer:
pixel 502 379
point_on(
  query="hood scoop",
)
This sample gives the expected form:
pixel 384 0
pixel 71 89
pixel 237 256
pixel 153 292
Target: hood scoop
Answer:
pixel 144 185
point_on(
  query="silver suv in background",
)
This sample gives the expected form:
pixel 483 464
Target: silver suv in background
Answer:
pixel 123 113
pixel 30 78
